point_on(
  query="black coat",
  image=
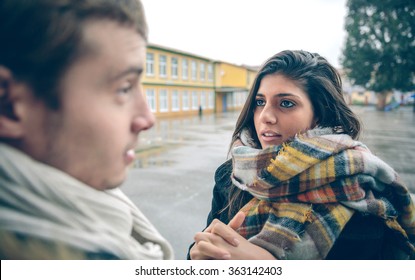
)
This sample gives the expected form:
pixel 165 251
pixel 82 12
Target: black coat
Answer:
pixel 363 238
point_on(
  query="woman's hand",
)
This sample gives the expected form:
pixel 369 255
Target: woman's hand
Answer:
pixel 221 241
pixel 209 246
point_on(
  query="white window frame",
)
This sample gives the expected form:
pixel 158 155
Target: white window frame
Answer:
pixel 185 101
pixel 203 99
pixel 235 99
pixel 163 66
pixel 150 64
pixel 163 100
pixel 211 100
pixel 194 70
pixel 229 101
pixel 174 67
pixel 151 99
pixel 185 69
pixel 210 72
pixel 195 100
pixel 175 106
pixel 202 71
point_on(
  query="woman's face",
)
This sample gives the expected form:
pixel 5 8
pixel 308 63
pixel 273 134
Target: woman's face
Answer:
pixel 282 109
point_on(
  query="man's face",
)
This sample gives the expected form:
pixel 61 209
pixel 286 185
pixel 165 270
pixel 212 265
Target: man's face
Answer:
pixel 93 135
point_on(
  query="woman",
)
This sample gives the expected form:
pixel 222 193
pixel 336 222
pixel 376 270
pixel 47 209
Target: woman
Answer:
pixel 299 185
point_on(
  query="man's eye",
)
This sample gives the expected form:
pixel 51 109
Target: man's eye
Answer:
pixel 125 90
pixel 287 104
pixel 259 102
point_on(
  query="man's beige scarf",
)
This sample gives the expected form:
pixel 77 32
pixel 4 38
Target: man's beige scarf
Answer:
pixel 41 201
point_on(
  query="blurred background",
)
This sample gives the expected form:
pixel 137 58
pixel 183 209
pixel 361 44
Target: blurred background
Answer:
pixel 201 60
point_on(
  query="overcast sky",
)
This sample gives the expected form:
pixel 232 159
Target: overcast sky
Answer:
pixel 248 31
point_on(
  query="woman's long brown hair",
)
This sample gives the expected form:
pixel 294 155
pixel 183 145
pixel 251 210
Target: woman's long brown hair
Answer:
pixel 320 80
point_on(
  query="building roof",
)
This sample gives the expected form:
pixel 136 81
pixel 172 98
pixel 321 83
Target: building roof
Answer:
pixel 176 51
pixel 185 53
pixel 229 89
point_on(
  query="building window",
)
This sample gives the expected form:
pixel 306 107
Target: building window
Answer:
pixel 175 100
pixel 195 100
pixel 151 99
pixel 229 101
pixel 240 98
pixel 194 70
pixel 236 98
pixel 185 101
pixel 163 65
pixel 210 72
pixel 150 64
pixel 202 71
pixel 163 100
pixel 174 67
pixel 211 100
pixel 185 69
pixel 203 100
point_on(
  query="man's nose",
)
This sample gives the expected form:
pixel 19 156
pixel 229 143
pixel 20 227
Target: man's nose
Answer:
pixel 143 119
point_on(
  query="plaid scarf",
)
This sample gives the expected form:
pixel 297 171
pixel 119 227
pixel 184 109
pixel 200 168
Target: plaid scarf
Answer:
pixel 306 190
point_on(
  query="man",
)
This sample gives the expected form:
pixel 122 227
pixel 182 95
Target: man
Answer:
pixel 71 109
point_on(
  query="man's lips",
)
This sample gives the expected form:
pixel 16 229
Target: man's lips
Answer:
pixel 129 156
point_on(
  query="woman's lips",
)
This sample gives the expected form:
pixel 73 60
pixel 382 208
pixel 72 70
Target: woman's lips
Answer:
pixel 271 137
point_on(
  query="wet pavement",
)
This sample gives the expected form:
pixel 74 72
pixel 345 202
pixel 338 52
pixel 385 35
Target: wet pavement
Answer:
pixel 172 178
pixel 390 136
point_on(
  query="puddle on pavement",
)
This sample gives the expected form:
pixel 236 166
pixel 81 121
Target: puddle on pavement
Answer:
pixel 152 156
pixel 149 162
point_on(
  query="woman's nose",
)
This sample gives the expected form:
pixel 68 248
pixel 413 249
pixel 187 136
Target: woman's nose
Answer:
pixel 268 115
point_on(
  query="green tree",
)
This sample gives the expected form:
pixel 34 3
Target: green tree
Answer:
pixel 379 53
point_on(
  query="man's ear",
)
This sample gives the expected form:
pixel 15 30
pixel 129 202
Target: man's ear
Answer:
pixel 10 96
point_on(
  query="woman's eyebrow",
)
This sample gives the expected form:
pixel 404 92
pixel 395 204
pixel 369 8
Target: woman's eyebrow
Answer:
pixel 281 94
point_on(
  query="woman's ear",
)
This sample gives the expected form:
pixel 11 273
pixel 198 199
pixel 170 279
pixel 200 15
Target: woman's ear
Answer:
pixel 10 125
pixel 315 122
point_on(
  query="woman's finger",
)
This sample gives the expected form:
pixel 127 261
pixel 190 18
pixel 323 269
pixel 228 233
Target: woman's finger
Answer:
pixel 212 224
pixel 227 233
pixel 237 220
pixel 205 250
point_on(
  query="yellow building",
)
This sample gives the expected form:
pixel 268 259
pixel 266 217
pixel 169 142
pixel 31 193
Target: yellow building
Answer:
pixel 232 85
pixel 363 97
pixel 178 83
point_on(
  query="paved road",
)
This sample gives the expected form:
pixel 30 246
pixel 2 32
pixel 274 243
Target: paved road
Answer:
pixel 172 179
pixel 390 136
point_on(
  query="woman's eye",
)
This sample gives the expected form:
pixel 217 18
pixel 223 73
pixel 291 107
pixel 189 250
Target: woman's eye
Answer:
pixel 259 102
pixel 287 104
